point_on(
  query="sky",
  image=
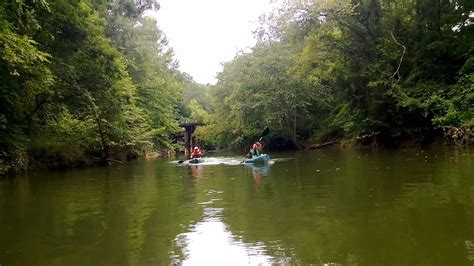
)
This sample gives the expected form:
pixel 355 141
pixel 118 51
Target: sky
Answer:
pixel 206 33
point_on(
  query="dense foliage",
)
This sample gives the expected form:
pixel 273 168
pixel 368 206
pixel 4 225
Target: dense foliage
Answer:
pixel 84 81
pixel 377 70
pixel 90 81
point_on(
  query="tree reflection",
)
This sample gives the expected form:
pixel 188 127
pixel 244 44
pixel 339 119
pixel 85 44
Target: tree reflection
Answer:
pixel 339 207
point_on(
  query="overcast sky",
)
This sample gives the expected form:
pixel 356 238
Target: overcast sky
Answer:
pixel 205 33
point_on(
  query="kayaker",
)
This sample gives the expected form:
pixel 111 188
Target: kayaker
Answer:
pixel 253 151
pixel 259 147
pixel 197 153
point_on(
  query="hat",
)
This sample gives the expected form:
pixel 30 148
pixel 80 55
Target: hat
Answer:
pixel 196 148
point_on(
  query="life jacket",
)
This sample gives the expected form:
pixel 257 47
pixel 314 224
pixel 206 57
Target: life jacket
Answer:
pixel 254 152
pixel 196 154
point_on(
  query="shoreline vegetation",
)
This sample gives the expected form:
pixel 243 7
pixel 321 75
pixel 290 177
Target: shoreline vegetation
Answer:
pixel 20 161
pixel 86 83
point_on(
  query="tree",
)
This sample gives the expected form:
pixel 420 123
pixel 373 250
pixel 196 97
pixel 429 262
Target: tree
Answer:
pixel 387 70
pixel 84 80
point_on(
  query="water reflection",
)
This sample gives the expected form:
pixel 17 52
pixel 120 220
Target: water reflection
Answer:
pixel 210 242
pixel 258 172
pixel 323 207
pixel 196 171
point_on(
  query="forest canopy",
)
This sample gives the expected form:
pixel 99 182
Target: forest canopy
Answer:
pixel 82 81
pixel 389 71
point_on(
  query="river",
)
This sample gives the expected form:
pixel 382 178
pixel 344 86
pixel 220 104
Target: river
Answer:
pixel 331 206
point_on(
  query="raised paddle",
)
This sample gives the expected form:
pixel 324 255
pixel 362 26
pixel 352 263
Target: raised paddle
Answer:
pixel 264 133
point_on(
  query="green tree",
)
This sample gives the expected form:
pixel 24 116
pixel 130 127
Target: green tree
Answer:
pixel 25 76
pixel 84 79
pixel 396 70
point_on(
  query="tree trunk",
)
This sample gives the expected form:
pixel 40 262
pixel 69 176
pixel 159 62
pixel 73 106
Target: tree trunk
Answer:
pixel 291 127
pixel 103 141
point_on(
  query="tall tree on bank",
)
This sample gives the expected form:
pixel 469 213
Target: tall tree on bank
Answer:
pixel 390 70
pixel 151 65
pixel 94 93
pixel 25 77
pixel 75 91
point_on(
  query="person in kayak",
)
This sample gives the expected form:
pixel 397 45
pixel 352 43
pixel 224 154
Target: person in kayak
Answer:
pixel 254 152
pixel 259 147
pixel 197 153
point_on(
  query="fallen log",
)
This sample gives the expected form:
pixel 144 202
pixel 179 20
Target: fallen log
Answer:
pixel 114 161
pixel 322 145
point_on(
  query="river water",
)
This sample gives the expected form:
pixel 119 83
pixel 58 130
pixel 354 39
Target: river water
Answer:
pixel 332 207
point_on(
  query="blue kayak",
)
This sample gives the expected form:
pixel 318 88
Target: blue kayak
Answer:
pixel 196 160
pixel 260 159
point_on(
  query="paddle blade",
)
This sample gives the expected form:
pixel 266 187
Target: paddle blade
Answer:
pixel 265 132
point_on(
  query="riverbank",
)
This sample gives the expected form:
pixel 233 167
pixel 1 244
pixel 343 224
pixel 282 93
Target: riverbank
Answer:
pixel 378 140
pixel 12 163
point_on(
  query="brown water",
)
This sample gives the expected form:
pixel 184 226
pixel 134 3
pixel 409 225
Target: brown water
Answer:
pixel 406 207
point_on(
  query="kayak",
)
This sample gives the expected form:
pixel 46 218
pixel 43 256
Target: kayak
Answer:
pixel 196 160
pixel 260 159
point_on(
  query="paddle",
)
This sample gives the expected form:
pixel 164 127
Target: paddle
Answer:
pixel 264 133
pixel 189 160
